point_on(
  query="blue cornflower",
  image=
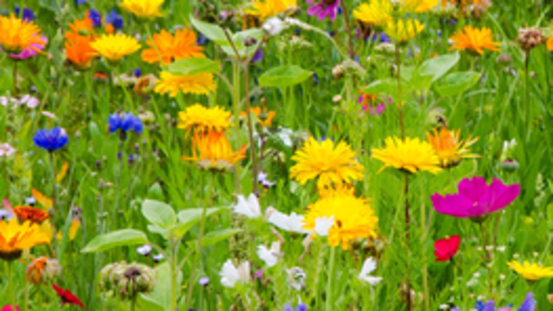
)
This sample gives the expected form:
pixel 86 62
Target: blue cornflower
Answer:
pixel 115 20
pixel 300 307
pixel 202 39
pixel 28 14
pixel 51 140
pixel 137 72
pixel 126 123
pixel 258 56
pixel 77 2
pixel 96 18
pixel 529 304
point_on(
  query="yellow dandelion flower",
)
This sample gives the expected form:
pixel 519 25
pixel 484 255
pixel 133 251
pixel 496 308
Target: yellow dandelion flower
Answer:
pixel 212 151
pixel 268 8
pixel 449 147
pixel 474 40
pixel 353 219
pixel 189 84
pixel 15 238
pixel 329 163
pixel 143 8
pixel 182 45
pixel 17 35
pixel 411 155
pixel 531 272
pixel 376 13
pixel 115 47
pixel 201 119
pixel 403 30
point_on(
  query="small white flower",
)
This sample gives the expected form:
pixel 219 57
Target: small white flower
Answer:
pixel 291 223
pixel 30 101
pixel 323 224
pixel 269 256
pixel 489 248
pixel 516 255
pixel 479 248
pixel 144 250
pixel 536 254
pixel 249 208
pixel 296 278
pixel 501 248
pixel 158 258
pixel 6 150
pixel 273 26
pixel 444 307
pixel 476 275
pixel 230 275
pixel 481 297
pixel 502 276
pixel 5 101
pixel 369 266
pixel 262 179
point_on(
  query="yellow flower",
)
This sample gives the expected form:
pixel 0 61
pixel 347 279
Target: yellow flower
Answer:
pixel 189 84
pixel 449 148
pixel 403 30
pixel 182 45
pixel 550 42
pixel 376 13
pixel 15 237
pixel 17 35
pixel 263 117
pixel 143 8
pixel 115 47
pixel 201 119
pixel 353 218
pixel 212 151
pixel 419 6
pixel 411 155
pixel 330 164
pixel 531 272
pixel 268 8
pixel 474 40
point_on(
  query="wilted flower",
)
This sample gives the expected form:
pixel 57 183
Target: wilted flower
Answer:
pixel 127 280
pixel 67 296
pixel 530 37
pixel 449 147
pixel 34 215
pixel 43 270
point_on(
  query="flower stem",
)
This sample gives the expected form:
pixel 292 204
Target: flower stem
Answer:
pixel 115 224
pixel 330 280
pixel 527 92
pixel 236 108
pixel 10 281
pixel 53 172
pixel 250 128
pixel 197 261
pixel 174 273
pixel 399 101
pixel 407 238
pixel 486 259
pixel 14 72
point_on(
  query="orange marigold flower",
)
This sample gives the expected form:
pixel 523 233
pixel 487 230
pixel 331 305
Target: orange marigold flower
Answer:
pixel 449 147
pixel 32 214
pixel 81 27
pixel 17 35
pixel 474 40
pixel 79 52
pixel 263 116
pixel 42 270
pixel 182 45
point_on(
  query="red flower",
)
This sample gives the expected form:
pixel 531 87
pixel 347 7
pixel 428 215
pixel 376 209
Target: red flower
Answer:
pixel 10 308
pixel 446 248
pixel 67 296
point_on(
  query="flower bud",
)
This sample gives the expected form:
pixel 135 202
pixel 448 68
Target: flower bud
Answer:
pixel 127 280
pixel 530 37
pixel 509 165
pixel 338 71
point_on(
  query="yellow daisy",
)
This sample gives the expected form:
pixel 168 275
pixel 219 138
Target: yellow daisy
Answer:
pixel 419 6
pixel 189 84
pixel 376 13
pixel 201 119
pixel 115 47
pixel 353 218
pixel 474 40
pixel 411 155
pixel 15 238
pixel 531 272
pixel 17 35
pixel 268 8
pixel 143 8
pixel 329 163
pixel 403 30
pixel 212 151
pixel 449 148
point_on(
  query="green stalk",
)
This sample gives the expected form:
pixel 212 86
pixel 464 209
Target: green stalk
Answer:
pixel 10 281
pixel 236 109
pixel 250 127
pixel 174 274
pixel 15 74
pixel 486 259
pixel 53 173
pixel 115 224
pixel 330 280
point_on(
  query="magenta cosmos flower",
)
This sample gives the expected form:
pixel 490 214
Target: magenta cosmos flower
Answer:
pixel 30 52
pixel 476 199
pixel 323 8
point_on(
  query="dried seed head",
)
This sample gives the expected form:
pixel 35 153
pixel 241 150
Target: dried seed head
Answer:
pixel 530 37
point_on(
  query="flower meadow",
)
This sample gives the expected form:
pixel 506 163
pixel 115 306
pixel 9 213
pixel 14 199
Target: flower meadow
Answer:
pixel 276 155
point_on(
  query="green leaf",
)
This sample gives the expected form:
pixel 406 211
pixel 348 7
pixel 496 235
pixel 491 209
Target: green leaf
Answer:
pixel 211 31
pixel 214 237
pixel 193 66
pixel 457 82
pixel 159 213
pixel 282 76
pixel 438 66
pixel 110 240
pixel 385 86
pixel 190 217
pixel 161 295
pixel 155 192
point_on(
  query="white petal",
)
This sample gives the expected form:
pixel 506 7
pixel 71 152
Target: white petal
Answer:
pixel 323 224
pixel 292 222
pixel 368 266
pixel 269 256
pixel 244 272
pixel 373 280
pixel 244 207
pixel 254 205
pixel 229 274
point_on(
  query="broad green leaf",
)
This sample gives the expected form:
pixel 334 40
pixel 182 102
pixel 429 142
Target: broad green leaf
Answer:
pixel 159 213
pixel 282 76
pixel 146 302
pixel 239 38
pixel 211 31
pixel 161 295
pixel 110 240
pixel 214 237
pixel 193 66
pixel 438 66
pixel 158 230
pixel 155 193
pixel 458 82
pixel 190 217
pixel 385 86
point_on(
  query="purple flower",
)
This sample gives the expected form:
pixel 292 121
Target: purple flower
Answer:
pixel 96 18
pixel 258 275
pixel 476 199
pixel 323 8
pixel 30 52
pixel 529 304
pixel 77 2
pixel 300 307
pixel 203 281
pixel 28 14
pixel 258 56
pixel 115 20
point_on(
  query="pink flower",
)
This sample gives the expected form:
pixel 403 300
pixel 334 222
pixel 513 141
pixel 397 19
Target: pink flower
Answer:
pixel 6 150
pixel 30 101
pixel 29 52
pixel 476 199
pixel 446 248
pixel 323 8
pixel 10 308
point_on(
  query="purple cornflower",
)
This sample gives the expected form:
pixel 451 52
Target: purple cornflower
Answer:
pixel 323 8
pixel 300 307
